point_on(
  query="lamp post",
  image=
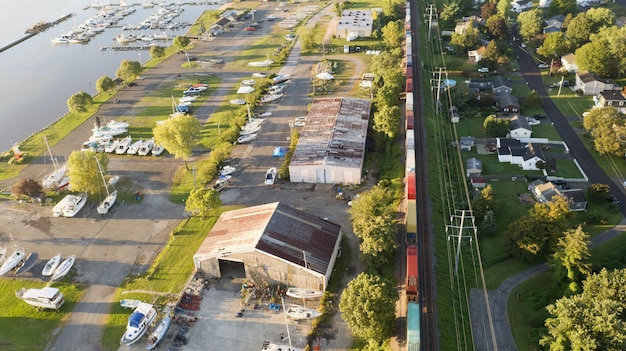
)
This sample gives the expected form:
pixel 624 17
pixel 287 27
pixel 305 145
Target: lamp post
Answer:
pixel 140 64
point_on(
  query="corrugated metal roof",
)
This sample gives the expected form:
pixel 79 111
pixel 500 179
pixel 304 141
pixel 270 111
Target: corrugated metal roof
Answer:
pixel 334 134
pixel 275 229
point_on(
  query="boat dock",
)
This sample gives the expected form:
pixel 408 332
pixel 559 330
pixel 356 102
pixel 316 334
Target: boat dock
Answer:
pixel 36 29
pixel 125 48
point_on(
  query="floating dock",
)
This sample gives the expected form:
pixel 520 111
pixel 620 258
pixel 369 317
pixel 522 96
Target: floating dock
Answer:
pixel 36 29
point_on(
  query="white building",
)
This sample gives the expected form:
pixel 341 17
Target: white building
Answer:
pixel 331 147
pixel 354 24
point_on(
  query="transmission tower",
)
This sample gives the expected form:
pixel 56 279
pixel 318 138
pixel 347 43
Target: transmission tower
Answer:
pixel 462 226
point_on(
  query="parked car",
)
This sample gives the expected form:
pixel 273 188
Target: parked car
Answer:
pixel 523 45
pixel 250 29
pixel 483 70
pixel 543 65
pixel 532 121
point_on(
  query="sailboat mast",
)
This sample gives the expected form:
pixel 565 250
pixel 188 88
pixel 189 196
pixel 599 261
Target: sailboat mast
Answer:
pixel 54 162
pixel 106 186
pixel 286 323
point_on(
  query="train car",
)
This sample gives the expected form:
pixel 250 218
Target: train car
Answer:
pixel 410 120
pixel 413 327
pixel 410 184
pixel 409 84
pixel 409 140
pixel 410 166
pixel 409 102
pixel 411 273
pixel 411 221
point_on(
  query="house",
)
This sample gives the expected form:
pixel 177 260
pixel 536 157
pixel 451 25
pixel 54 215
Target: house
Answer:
pixel 478 182
pixel 519 128
pixel 501 86
pixel 508 103
pixel 473 167
pixel 544 4
pixel 271 244
pixel 476 85
pixel 476 55
pixel 514 152
pixel 521 5
pixel 611 98
pixel 467 143
pixel 590 84
pixel 545 192
pixel 354 24
pixel 568 63
pixel 555 21
pixel 551 29
pixel 466 24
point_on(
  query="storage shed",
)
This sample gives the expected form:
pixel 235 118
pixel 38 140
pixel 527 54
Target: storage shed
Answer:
pixel 331 147
pixel 271 244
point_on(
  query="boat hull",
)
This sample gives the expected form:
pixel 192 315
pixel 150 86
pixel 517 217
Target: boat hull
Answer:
pixel 48 297
pixel 51 265
pixel 155 338
pixel 12 261
pixel 64 268
pixel 302 293
pixel 28 264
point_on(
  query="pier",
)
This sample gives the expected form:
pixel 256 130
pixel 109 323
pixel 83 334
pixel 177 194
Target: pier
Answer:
pixel 125 48
pixel 36 29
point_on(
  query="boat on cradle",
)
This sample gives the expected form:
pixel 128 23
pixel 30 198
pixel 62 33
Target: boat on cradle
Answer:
pixel 95 146
pixel 28 264
pixel 237 102
pixel 109 200
pixel 107 130
pixel 158 334
pixel 123 145
pixel 259 75
pixel 146 147
pixel 302 293
pixel 157 150
pixel 134 147
pixel 138 323
pixel 276 89
pixel 51 265
pixel 128 303
pixel 116 124
pixel 57 178
pixel 250 130
pixel 74 205
pixel 113 180
pixel 299 312
pixel 47 297
pixel 111 145
pixel 12 261
pixel 246 138
pixel 184 104
pixel 271 98
pixel 264 114
pixel 64 268
pixel 281 78
pixel 270 176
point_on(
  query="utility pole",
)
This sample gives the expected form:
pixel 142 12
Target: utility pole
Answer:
pixel 432 17
pixel 462 221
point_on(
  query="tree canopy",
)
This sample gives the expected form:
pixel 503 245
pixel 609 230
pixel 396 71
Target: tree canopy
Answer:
pixel 554 46
pixel 105 84
pixel 157 51
pixel 79 102
pixel 393 33
pixel 608 129
pixel 387 120
pixel 181 42
pixel 530 23
pixel 128 70
pixel 572 255
pixel 178 135
pixel 202 201
pixel 27 187
pixel 84 172
pixel 368 306
pixel 591 320
pixel 495 127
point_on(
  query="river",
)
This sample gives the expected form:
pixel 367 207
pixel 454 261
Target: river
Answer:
pixel 38 77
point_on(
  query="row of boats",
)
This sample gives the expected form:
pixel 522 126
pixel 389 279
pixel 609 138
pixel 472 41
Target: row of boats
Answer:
pixel 105 18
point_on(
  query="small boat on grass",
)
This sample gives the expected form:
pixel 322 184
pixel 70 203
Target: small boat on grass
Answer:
pixel 299 312
pixel 246 138
pixel 270 176
pixel 64 268
pixel 47 297
pixel 51 265
pixel 158 334
pixel 302 293
pixel 28 264
pixel 138 323
pixel 157 150
pixel 123 145
pixel 127 303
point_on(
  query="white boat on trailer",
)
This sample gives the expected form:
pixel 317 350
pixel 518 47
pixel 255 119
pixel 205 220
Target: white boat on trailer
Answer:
pixel 47 297
pixel 270 176
pixel 138 323
pixel 51 265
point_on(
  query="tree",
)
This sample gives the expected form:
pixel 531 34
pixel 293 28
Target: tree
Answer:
pixel 378 244
pixel 562 7
pixel 393 33
pixel 533 100
pixel 495 127
pixel 202 201
pixel 338 7
pixel 84 172
pixel 466 41
pixel 497 27
pixel 504 8
pixel 585 24
pixel 79 102
pixel 157 51
pixel 572 253
pixel 595 57
pixel 178 136
pixel 616 39
pixel 449 13
pixel 484 202
pixel 598 192
pixel 488 9
pixel 488 226
pixel 554 45
pixel 491 55
pixel 105 84
pixel 608 129
pixel 375 202
pixel 181 42
pixel 27 187
pixel 387 120
pixel 392 9
pixel 369 315
pixel 460 95
pixel 591 320
pixel 531 23
pixel 128 70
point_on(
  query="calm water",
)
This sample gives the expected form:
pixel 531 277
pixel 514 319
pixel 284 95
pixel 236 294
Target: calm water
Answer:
pixel 38 77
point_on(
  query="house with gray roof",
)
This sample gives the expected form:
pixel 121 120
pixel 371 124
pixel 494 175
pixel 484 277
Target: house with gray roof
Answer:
pixel 473 167
pixel 508 103
pixel 545 192
pixel 591 84
pixel 501 85
pixel 519 127
pixel 613 98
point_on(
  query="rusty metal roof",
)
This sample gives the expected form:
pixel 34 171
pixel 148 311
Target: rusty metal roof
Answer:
pixel 334 134
pixel 274 229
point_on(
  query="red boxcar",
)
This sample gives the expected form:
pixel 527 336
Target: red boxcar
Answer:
pixel 410 120
pixel 409 85
pixel 410 186
pixel 411 273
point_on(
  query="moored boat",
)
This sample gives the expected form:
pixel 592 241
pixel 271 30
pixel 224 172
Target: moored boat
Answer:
pixel 51 265
pixel 158 334
pixel 138 323
pixel 47 297
pixel 64 267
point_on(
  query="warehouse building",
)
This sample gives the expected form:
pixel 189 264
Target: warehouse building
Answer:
pixel 331 148
pixel 272 244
